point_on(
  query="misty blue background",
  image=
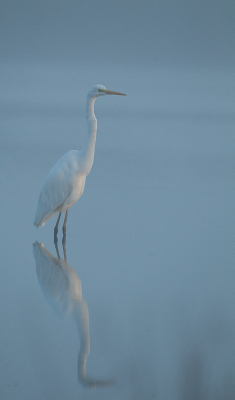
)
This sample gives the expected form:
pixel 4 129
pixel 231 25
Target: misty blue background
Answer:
pixel 152 237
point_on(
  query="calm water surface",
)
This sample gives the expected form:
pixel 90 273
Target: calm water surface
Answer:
pixel 149 280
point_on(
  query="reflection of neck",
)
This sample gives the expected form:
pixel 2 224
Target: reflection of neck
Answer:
pixel 81 315
pixel 88 148
pixel 82 319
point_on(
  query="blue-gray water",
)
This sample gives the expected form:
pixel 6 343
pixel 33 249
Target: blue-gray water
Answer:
pixel 151 239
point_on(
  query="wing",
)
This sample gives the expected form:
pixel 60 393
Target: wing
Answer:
pixel 57 187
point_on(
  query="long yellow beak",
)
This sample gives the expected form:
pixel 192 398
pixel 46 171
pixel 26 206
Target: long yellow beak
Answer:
pixel 112 92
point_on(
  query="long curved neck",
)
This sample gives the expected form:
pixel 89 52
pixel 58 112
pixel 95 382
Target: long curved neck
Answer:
pixel 88 148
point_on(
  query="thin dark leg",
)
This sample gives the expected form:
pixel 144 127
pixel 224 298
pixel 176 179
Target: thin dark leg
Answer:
pixel 64 251
pixel 57 250
pixel 56 229
pixel 64 227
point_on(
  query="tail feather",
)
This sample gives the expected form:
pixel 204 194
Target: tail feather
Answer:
pixel 42 217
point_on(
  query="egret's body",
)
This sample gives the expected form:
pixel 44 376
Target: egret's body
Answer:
pixel 62 187
pixel 65 182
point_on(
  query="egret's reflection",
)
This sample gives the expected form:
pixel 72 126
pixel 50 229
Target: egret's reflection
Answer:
pixel 62 286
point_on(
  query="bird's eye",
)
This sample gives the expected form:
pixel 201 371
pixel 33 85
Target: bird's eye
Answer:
pixel 100 90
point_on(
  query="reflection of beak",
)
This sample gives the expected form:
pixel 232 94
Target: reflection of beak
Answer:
pixel 112 92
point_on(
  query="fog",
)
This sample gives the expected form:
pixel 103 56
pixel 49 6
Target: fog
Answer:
pixel 143 307
pixel 195 32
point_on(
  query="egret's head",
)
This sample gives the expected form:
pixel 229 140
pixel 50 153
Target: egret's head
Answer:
pixel 100 90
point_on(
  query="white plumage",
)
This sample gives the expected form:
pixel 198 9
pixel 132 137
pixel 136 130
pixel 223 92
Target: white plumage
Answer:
pixel 62 187
pixel 65 182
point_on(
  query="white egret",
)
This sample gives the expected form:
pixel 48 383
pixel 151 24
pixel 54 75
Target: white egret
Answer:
pixel 65 182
